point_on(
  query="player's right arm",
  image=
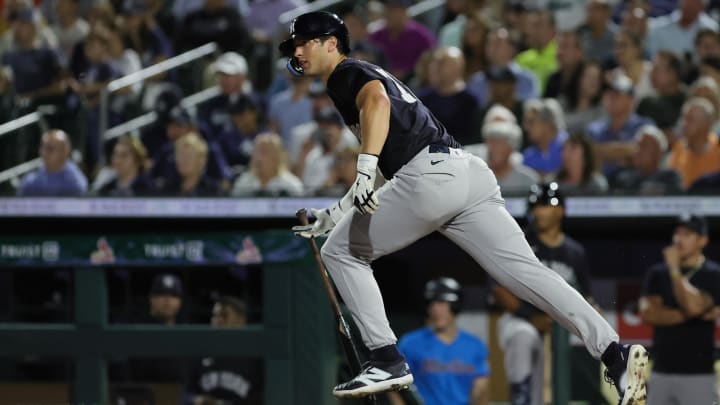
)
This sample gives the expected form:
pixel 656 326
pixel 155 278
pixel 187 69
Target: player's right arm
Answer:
pixel 655 313
pixel 373 104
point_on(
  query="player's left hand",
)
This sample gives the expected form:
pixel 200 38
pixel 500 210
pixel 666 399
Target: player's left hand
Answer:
pixel 364 196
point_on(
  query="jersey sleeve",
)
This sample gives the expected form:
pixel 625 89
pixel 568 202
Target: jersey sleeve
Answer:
pixel 352 79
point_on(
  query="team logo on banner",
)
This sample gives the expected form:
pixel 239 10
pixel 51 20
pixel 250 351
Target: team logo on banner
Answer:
pixel 250 253
pixel 104 253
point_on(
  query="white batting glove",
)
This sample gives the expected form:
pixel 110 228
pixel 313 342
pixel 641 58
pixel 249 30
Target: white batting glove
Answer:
pixel 323 224
pixel 363 191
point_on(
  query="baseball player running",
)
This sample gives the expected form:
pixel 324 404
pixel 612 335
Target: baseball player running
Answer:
pixel 432 185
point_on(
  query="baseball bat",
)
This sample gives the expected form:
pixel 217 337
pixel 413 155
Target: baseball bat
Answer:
pixel 351 352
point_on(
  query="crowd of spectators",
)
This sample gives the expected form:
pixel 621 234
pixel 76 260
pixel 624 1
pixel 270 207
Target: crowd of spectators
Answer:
pixel 605 97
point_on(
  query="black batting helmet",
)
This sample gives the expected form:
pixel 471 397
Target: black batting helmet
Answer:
pixel 444 289
pixel 315 25
pixel 546 194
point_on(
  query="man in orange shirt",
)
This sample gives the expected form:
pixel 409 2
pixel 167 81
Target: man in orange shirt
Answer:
pixel 698 152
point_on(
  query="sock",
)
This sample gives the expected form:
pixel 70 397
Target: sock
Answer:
pixel 611 356
pixel 387 354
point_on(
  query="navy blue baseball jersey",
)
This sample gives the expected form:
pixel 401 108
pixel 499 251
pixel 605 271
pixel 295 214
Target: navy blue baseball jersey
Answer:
pixel 412 125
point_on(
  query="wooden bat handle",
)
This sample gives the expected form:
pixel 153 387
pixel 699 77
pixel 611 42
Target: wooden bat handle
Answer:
pixel 301 215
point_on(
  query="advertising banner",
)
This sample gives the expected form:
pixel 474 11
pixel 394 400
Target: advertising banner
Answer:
pixel 149 249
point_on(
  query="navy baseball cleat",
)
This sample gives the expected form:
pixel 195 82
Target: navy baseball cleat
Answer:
pixel 374 379
pixel 628 375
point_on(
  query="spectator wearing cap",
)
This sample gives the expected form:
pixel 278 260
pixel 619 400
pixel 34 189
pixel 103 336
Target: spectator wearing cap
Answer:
pixel 218 22
pixel 58 175
pixel 450 365
pixel 545 126
pixel 448 97
pixel 631 63
pixel 154 135
pixel 317 155
pixel 646 176
pixel 69 27
pixel 268 174
pixel 564 83
pixel 697 153
pixel 578 172
pixel 90 83
pixel 129 162
pixel 502 139
pixel 190 154
pixel 678 30
pixel 666 77
pixel 30 64
pixel 30 74
pixel 237 143
pixel 164 168
pixel 680 299
pixel 26 21
pixel 541 57
pixel 613 134
pixel 143 34
pixel 401 39
pixel 587 99
pixel 501 92
pixel 231 70
pixel 500 50
pixel 597 35
pixel 225 380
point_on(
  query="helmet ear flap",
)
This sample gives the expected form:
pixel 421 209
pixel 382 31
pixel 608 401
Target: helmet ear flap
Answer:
pixel 293 66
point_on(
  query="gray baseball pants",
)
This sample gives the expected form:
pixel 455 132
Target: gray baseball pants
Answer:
pixel 456 194
pixel 682 389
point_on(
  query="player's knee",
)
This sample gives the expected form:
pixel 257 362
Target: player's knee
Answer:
pixel 328 251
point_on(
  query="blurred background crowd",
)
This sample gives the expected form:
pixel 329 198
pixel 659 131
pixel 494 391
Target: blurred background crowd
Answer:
pixel 601 96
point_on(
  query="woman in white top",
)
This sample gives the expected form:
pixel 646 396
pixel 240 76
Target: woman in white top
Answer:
pixel 631 62
pixel 268 174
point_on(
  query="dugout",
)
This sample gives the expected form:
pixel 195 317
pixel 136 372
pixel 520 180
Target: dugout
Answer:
pixel 294 331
